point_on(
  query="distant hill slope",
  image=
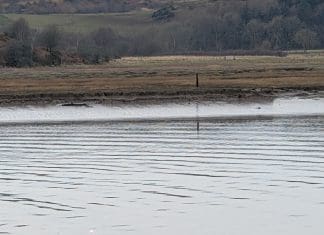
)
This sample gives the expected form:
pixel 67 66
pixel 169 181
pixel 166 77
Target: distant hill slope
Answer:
pixel 79 6
pixel 186 27
pixel 85 23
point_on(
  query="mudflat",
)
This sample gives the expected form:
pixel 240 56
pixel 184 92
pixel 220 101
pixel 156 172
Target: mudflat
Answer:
pixel 149 79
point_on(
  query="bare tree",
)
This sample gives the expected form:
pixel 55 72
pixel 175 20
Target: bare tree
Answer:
pixel 18 54
pixel 50 38
pixel 307 39
pixel 20 30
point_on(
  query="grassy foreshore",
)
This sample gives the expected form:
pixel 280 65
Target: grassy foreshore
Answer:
pixel 151 79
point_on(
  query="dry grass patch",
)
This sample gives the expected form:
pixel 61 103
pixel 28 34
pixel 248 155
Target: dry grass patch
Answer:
pixel 165 73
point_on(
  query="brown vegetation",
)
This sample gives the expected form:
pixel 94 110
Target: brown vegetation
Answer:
pixel 150 78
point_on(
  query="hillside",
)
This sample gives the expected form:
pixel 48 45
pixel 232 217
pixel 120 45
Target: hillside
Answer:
pixel 263 27
pixel 78 6
pixel 85 23
pixel 137 17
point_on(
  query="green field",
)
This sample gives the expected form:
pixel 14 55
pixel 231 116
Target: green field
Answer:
pixel 4 20
pixel 83 23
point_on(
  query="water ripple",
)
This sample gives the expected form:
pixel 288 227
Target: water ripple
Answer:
pixel 135 176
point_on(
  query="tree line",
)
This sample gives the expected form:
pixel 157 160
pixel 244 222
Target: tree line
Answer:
pixel 247 25
pixel 23 46
pixel 258 26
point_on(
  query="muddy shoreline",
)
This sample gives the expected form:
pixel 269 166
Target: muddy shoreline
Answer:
pixel 157 97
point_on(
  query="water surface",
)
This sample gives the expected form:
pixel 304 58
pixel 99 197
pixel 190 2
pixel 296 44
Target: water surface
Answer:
pixel 285 106
pixel 233 176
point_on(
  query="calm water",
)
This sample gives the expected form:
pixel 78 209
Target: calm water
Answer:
pixel 285 106
pixel 237 174
pixel 253 176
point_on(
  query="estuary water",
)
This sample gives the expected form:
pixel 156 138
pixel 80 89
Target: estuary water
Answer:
pixel 290 106
pixel 261 174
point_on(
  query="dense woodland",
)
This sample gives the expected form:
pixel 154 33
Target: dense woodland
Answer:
pixel 213 27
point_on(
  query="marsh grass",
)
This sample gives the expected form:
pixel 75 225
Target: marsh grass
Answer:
pixel 168 73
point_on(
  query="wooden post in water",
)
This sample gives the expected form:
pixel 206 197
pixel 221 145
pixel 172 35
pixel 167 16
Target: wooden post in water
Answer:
pixel 197 80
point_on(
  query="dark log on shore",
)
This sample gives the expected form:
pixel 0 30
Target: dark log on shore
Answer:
pixel 75 105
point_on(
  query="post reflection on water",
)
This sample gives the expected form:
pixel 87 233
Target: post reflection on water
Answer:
pixel 197 176
pixel 239 176
pixel 191 110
